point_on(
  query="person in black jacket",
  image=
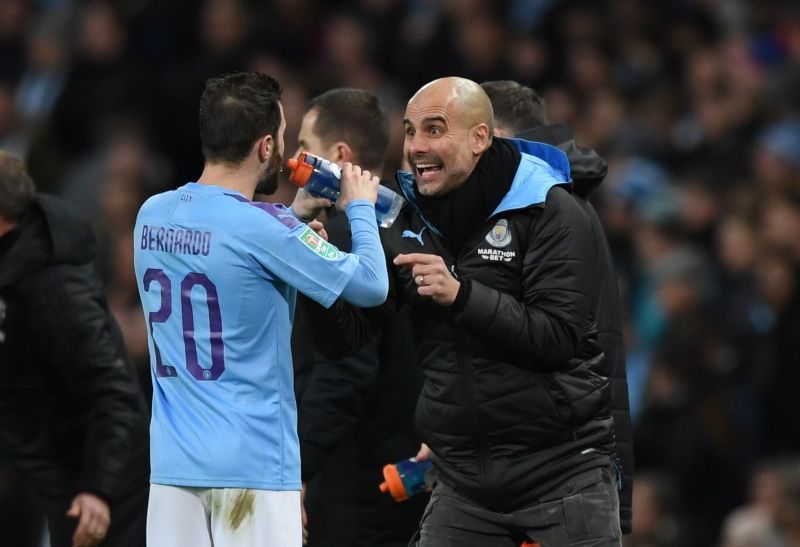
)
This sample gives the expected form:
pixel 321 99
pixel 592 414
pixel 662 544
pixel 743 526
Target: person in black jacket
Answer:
pixel 496 262
pixel 72 415
pixel 356 414
pixel 520 112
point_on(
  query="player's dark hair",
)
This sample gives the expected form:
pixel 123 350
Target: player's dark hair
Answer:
pixel 235 111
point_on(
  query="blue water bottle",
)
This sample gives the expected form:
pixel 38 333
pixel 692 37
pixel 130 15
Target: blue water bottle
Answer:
pixel 321 177
pixel 405 478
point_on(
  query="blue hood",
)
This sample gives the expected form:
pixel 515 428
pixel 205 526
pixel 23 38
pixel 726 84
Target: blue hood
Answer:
pixel 541 167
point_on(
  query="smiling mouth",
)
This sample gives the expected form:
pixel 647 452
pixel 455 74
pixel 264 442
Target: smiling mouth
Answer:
pixel 427 171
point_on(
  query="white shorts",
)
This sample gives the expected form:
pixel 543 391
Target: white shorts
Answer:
pixel 223 517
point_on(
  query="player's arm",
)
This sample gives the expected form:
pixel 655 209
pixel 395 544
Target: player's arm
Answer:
pixel 370 282
pixel 300 257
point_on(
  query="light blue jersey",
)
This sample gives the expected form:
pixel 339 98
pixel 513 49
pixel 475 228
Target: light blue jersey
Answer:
pixel 218 276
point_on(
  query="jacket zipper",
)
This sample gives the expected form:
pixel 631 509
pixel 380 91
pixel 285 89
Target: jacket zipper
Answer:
pixel 467 382
pixel 460 340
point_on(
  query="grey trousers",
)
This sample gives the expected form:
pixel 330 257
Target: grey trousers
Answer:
pixel 582 511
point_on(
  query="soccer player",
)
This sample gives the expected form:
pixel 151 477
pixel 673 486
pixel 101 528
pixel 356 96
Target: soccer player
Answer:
pixel 218 276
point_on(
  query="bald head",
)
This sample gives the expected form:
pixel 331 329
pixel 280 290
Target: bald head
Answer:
pixel 448 127
pixel 466 98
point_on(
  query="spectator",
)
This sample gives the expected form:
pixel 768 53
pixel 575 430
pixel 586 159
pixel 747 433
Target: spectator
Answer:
pixel 776 362
pixel 771 517
pixel 657 520
pixel 777 158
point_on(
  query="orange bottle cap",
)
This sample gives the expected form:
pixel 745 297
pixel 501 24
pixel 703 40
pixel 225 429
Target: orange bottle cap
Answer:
pixel 393 483
pixel 300 171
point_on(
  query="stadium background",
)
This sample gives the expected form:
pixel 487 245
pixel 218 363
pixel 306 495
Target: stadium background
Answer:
pixel 694 103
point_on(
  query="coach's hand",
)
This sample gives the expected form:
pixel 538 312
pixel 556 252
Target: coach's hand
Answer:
pixel 431 276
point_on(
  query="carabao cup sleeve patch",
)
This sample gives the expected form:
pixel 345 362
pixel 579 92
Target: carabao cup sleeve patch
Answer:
pixel 313 241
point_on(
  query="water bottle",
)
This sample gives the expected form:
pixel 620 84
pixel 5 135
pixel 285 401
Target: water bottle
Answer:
pixel 405 478
pixel 321 177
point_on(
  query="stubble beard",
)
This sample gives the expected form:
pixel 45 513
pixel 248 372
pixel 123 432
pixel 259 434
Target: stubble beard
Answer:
pixel 268 184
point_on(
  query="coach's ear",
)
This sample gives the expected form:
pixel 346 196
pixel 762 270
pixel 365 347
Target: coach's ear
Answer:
pixel 480 138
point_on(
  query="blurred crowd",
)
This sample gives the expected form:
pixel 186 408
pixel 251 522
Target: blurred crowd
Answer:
pixel 694 103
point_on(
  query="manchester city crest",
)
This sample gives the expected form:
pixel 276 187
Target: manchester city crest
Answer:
pixel 499 235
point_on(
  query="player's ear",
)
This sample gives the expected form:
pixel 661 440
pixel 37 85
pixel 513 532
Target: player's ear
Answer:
pixel 265 146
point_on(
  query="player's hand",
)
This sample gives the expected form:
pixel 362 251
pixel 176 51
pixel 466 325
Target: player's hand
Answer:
pixel 431 276
pixel 93 519
pixel 308 207
pixel 303 514
pixel 356 184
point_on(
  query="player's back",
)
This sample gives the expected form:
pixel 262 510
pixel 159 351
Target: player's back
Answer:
pixel 219 324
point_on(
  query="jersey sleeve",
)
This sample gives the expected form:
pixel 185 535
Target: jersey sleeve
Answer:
pixel 288 249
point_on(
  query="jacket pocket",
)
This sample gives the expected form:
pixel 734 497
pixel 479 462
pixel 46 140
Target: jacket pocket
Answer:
pixel 581 392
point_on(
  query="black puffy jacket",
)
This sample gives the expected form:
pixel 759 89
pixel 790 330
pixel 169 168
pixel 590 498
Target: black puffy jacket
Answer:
pixel 72 416
pixel 514 397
